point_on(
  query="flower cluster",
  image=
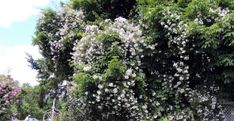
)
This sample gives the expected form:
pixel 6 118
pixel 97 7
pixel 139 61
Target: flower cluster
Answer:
pixel 56 33
pixel 8 92
pixel 179 41
pixel 130 43
pixel 177 35
pixel 64 23
pixel 115 98
pixel 221 12
pixel 207 107
pixel 87 47
pixel 215 14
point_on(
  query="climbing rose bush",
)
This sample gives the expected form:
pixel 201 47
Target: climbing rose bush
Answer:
pixel 112 82
pixel 124 72
pixel 107 59
pixel 166 62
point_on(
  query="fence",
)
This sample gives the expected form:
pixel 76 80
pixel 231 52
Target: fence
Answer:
pixel 228 111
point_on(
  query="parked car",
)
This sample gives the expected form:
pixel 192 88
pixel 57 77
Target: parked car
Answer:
pixel 32 119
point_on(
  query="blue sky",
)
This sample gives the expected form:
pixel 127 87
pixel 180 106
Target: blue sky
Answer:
pixel 17 27
pixel 18 33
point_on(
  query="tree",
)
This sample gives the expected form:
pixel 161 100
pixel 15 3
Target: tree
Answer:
pixel 28 104
pixel 55 39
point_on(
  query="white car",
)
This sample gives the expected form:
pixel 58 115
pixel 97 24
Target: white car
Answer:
pixel 32 119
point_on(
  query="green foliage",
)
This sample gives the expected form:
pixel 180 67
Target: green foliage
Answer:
pixel 85 83
pixel 104 8
pixel 164 119
pixel 115 70
pixel 29 102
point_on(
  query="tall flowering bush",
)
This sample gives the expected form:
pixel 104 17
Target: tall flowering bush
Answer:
pixel 8 95
pixel 168 61
pixel 116 81
pixel 109 80
pixel 153 69
pixel 189 39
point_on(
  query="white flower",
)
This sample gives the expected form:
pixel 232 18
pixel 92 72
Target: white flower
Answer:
pixel 122 95
pixel 98 99
pixel 106 90
pixel 144 106
pixel 95 76
pixel 111 85
pixel 129 72
pixel 126 77
pixel 181 78
pixel 175 64
pixel 176 75
pixel 87 68
pixel 115 90
pixel 127 105
pixel 91 28
pixel 133 75
pixel 121 19
pixel 100 86
pixel 157 103
pixel 155 116
pixel 179 70
pixel 98 92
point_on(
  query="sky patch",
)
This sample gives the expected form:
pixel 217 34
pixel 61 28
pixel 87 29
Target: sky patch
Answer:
pixel 14 11
pixel 18 20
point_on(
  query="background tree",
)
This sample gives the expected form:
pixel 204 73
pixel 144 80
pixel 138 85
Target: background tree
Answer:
pixel 29 100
